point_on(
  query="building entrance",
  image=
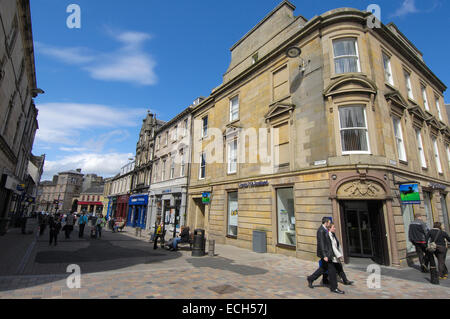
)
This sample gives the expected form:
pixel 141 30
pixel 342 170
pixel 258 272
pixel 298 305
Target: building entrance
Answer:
pixel 364 231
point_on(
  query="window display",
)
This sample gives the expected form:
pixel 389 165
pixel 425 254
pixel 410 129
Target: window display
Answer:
pixel 233 214
pixel 286 217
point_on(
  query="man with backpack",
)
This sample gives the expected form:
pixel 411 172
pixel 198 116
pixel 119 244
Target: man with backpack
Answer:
pixel 418 231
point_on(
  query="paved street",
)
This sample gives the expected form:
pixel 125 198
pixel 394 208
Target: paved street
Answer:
pixel 122 266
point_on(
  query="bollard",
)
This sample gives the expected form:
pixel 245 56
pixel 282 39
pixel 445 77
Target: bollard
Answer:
pixel 211 248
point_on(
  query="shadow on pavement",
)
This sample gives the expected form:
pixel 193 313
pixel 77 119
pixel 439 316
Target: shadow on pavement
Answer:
pixel 113 252
pixel 226 264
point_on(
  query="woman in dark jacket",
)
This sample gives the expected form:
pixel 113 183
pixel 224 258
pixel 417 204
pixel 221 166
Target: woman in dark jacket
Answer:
pixel 439 236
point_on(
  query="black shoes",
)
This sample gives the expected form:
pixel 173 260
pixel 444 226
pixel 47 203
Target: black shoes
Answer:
pixel 348 283
pixel 337 291
pixel 310 283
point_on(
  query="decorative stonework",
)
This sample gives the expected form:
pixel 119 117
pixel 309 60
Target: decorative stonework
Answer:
pixel 360 190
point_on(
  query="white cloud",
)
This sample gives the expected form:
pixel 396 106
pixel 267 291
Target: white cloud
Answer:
pixel 105 165
pixel 407 7
pixel 62 123
pixel 129 63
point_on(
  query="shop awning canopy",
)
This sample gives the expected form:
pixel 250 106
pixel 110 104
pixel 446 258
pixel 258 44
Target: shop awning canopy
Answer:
pixel 91 203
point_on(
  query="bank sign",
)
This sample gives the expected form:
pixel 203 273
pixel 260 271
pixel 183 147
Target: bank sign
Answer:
pixel 409 194
pixel 254 184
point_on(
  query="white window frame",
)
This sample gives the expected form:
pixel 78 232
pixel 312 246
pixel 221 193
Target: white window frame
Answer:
pixel 438 107
pixel 163 172
pixel 235 110
pixel 183 164
pixel 172 168
pixel 200 177
pixel 388 75
pixel 399 141
pixel 425 98
pixel 185 127
pixel 436 155
pixel 175 133
pixel 408 85
pixel 447 147
pixel 347 56
pixel 354 128
pixel 205 134
pixel 230 154
pixel 421 149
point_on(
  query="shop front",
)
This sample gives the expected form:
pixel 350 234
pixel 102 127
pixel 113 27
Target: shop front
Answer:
pixel 168 205
pixel 122 207
pixel 137 212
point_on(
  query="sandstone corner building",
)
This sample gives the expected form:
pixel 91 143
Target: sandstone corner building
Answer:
pixel 357 114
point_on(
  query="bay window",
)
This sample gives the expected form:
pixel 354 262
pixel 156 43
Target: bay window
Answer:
pixel 346 57
pixel 353 128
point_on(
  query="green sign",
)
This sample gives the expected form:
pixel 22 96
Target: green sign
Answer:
pixel 206 198
pixel 409 194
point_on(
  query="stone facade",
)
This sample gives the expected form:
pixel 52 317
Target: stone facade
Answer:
pixel 342 135
pixel 18 114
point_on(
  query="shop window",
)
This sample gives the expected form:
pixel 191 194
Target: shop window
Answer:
pixel 346 57
pixel 445 212
pixel 233 214
pixel 387 69
pixel 281 147
pixel 280 83
pixel 353 127
pixel 234 109
pixel 408 218
pixel 421 150
pixel 399 139
pixel 286 217
pixel 436 155
pixel 428 208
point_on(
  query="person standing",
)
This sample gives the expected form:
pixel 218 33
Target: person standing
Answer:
pixel 70 222
pixel 158 234
pixel 338 258
pixel 100 223
pixel 83 220
pixel 54 227
pixel 418 231
pixel 43 220
pixel 326 254
pixel 439 237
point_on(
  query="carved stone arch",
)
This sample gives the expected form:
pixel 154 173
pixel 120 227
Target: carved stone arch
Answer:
pixel 352 83
pixel 368 189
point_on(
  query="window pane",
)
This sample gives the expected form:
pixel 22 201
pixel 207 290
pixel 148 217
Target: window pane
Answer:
pixel 286 217
pixel 352 116
pixel 354 140
pixel 344 47
pixel 346 65
pixel 233 214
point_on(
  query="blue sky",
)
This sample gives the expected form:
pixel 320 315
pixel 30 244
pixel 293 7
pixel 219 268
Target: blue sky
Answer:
pixel 138 55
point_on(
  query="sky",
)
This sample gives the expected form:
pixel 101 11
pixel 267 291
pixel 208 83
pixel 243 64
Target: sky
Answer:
pixel 134 56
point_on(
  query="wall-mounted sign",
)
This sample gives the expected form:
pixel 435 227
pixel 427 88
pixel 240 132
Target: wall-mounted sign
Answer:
pixel 206 198
pixel 409 194
pixel 254 184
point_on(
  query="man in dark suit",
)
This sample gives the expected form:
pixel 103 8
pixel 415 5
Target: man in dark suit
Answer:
pixel 326 254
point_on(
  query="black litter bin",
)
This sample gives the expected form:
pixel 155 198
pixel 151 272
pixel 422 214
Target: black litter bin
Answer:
pixel 198 247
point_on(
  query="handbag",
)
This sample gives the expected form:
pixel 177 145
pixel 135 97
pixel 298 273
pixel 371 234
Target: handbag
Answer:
pixel 432 245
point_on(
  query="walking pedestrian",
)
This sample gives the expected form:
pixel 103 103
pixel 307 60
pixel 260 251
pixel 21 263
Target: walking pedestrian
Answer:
pixel 54 227
pixel 83 220
pixel 100 223
pixel 438 236
pixel 326 254
pixel 338 259
pixel 418 231
pixel 43 223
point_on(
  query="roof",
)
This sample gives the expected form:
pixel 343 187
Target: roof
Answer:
pixel 95 190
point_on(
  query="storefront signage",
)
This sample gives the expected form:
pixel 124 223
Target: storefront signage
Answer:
pixel 206 198
pixel 438 186
pixel 167 191
pixel 409 194
pixel 254 184
pixel 139 200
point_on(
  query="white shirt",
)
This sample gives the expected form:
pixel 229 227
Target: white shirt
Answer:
pixel 337 250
